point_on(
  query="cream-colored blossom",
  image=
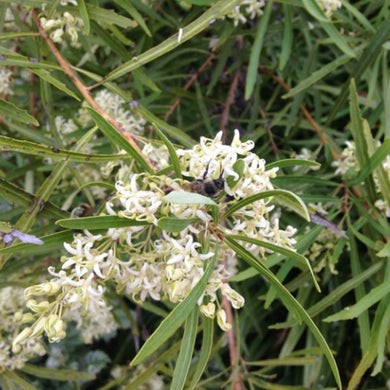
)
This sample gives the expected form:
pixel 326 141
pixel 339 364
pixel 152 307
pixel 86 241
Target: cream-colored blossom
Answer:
pixel 329 6
pixel 5 82
pixel 25 347
pixel 146 260
pixel 248 9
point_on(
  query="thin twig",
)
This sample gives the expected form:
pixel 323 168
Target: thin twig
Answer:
pixel 81 87
pixel 237 384
pixel 188 84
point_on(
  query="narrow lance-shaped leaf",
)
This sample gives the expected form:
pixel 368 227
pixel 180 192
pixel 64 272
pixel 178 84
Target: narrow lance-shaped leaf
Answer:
pixel 359 136
pixel 32 148
pixel 289 301
pixel 99 222
pixel 220 8
pixel 171 150
pixel 254 58
pixel 9 110
pixel 118 139
pixel 285 197
pixel 302 260
pixel 186 351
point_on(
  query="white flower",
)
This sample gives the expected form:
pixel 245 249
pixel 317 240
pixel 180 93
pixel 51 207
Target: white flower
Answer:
pixel 114 105
pixel 329 6
pixel 5 82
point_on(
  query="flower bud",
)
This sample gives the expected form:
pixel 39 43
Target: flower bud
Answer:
pixel 54 328
pixel 23 335
pixel 49 288
pixel 221 319
pixel 37 307
pixel 208 310
pixel 38 327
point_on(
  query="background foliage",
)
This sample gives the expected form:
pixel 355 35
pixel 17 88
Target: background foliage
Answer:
pixel 289 79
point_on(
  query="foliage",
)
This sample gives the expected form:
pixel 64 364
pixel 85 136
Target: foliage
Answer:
pixel 110 109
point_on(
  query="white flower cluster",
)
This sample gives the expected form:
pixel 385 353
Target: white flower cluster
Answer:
pixel 61 24
pixel 348 161
pixel 146 260
pixel 115 106
pixel 12 301
pixel 5 82
pixel 329 6
pixel 247 9
pixel 73 294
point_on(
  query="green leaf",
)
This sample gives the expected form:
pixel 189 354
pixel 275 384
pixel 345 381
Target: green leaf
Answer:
pixel 175 318
pixel 84 15
pixel 335 295
pixel 45 75
pixel 314 10
pixel 56 374
pixel 376 344
pixel 337 39
pixel 10 378
pixel 109 16
pixel 5 227
pixel 99 222
pixel 288 35
pixel 15 194
pixel 283 197
pixel 184 197
pixel 141 76
pixel 31 148
pixel 171 150
pixel 359 16
pixel 302 260
pixel 186 351
pixel 201 2
pixel 254 58
pixel 385 251
pixel 373 162
pixel 174 132
pixel 360 137
pixel 118 139
pixel 292 162
pixel 15 59
pixel 217 10
pixel 293 306
pixel 373 49
pixel 205 351
pixel 132 11
pixel 8 109
pixel 175 225
pixel 318 75
pixel 371 298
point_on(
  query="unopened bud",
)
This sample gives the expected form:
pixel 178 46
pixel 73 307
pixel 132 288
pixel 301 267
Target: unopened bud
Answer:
pixel 37 307
pixel 208 310
pixel 221 319
pixel 23 335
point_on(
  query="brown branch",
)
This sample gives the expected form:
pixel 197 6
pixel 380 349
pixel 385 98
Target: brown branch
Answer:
pixel 81 87
pixel 234 358
pixel 188 84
